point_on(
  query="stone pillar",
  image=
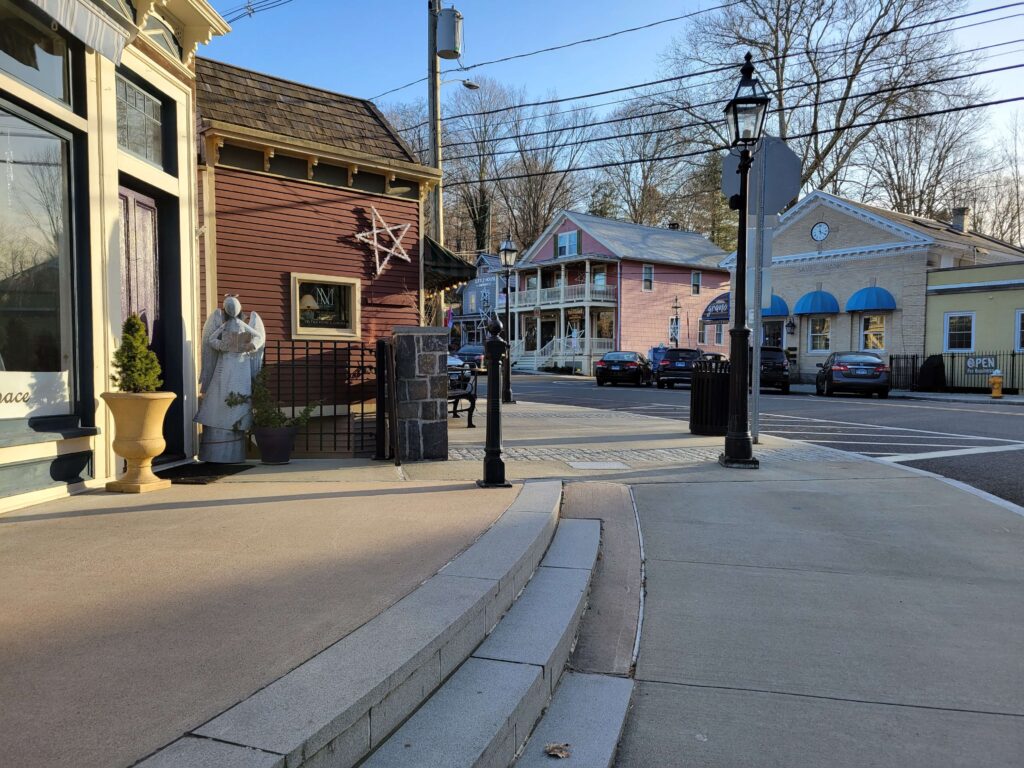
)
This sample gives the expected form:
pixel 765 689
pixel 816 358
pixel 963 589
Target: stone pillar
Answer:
pixel 421 371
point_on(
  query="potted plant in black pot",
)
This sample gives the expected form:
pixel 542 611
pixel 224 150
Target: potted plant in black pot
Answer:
pixel 273 431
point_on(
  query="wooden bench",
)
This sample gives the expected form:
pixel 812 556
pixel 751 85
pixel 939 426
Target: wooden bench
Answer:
pixel 462 381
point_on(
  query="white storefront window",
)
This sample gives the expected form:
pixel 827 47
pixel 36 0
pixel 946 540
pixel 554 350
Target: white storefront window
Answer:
pixel 819 335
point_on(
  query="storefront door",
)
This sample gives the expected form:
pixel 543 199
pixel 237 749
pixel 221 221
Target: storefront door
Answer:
pixel 140 263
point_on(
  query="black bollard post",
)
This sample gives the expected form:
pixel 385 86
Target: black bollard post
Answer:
pixel 494 467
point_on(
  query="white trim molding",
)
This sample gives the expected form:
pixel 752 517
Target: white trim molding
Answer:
pixel 353 333
pixel 946 316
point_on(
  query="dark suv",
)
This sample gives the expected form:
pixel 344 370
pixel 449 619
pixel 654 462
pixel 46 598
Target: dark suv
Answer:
pixel 472 354
pixel 676 367
pixel 775 369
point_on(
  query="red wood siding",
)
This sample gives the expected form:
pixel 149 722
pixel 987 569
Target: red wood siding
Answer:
pixel 269 227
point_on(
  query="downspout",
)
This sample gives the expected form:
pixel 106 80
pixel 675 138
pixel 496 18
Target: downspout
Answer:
pixel 618 306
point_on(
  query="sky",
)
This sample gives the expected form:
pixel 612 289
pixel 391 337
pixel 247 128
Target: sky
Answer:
pixel 366 47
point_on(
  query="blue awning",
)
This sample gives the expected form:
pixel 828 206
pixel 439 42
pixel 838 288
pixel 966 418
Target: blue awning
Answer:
pixel 718 310
pixel 817 303
pixel 778 308
pixel 867 299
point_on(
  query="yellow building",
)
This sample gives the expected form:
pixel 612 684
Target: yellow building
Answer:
pixel 975 319
pixel 98 218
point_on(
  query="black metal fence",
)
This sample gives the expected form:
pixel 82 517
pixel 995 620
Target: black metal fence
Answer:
pixel 903 371
pixel 340 379
pixel 957 371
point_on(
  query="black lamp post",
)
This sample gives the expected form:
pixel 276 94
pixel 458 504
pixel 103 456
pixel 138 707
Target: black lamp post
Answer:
pixel 745 115
pixel 508 253
pixel 494 466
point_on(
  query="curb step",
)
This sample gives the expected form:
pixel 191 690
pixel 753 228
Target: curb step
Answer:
pixel 587 713
pixel 336 707
pixel 484 713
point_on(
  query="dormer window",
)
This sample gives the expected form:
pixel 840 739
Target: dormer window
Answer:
pixel 568 243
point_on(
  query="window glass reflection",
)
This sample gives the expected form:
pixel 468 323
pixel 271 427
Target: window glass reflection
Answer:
pixel 34 280
pixel 33 53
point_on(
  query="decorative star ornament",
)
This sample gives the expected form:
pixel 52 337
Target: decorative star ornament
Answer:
pixel 373 238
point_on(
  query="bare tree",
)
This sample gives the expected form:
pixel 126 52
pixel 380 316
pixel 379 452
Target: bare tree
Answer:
pixel 829 65
pixel 927 166
pixel 998 198
pixel 473 135
pixel 536 179
pixel 701 207
pixel 637 144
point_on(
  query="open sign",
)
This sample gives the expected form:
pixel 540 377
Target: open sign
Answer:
pixel 981 364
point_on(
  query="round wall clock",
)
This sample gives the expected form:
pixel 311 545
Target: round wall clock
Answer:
pixel 819 231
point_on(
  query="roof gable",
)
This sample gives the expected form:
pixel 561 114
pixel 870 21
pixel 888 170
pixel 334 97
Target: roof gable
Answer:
pixel 625 240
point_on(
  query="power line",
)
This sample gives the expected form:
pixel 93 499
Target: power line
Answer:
pixel 565 45
pixel 844 48
pixel 701 123
pixel 700 152
pixel 697 85
pixel 252 8
pixel 725 67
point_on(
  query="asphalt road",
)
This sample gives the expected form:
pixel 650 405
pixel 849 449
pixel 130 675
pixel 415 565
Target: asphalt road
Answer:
pixel 981 445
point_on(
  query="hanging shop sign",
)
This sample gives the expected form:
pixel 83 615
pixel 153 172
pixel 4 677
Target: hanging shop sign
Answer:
pixel 26 394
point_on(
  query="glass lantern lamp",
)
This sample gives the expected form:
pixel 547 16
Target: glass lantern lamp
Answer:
pixel 508 252
pixel 745 114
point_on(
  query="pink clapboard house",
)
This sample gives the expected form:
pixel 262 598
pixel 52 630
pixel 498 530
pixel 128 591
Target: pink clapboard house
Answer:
pixel 590 285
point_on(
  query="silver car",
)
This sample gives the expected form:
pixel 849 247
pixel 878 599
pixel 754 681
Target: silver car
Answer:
pixel 863 372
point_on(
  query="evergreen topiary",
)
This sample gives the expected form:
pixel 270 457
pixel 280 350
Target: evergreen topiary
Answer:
pixel 265 410
pixel 136 366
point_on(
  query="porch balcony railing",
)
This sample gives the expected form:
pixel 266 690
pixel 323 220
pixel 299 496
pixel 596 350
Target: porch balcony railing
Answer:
pixel 532 297
pixel 558 347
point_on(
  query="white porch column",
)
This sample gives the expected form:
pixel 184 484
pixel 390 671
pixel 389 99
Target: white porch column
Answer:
pixel 587 345
pixel 561 330
pixel 587 263
pixel 561 294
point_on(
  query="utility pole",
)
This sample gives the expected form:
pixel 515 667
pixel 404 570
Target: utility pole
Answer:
pixel 434 77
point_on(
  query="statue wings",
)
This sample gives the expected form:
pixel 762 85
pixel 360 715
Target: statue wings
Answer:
pixel 259 341
pixel 208 362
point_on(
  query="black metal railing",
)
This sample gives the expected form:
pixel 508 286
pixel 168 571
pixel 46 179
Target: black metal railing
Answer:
pixel 903 371
pixel 958 371
pixel 340 379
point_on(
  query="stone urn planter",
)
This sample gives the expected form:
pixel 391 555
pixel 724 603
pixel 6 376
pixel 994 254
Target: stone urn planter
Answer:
pixel 138 409
pixel 138 437
pixel 275 443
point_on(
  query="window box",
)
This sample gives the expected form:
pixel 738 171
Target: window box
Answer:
pixel 325 307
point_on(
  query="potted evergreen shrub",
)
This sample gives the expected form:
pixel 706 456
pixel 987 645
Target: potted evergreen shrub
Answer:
pixel 273 431
pixel 138 410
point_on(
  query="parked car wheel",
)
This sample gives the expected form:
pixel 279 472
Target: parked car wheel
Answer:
pixel 661 385
pixel 671 385
pixel 883 394
pixel 829 392
pixel 817 388
pixel 600 383
pixel 784 390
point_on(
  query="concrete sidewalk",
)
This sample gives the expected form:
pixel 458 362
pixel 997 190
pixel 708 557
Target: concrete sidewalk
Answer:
pixel 864 604
pixel 128 620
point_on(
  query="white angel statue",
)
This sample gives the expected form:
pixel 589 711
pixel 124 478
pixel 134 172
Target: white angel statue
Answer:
pixel 232 356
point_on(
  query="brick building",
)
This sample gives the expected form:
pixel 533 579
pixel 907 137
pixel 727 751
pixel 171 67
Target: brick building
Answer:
pixel 589 285
pixel 849 276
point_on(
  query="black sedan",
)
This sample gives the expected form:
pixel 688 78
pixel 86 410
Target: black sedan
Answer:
pixel 862 372
pixel 626 367
pixel 676 367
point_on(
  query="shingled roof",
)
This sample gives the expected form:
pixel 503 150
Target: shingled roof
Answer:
pixel 248 99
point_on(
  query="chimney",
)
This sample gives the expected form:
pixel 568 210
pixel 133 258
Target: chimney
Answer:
pixel 674 226
pixel 961 219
